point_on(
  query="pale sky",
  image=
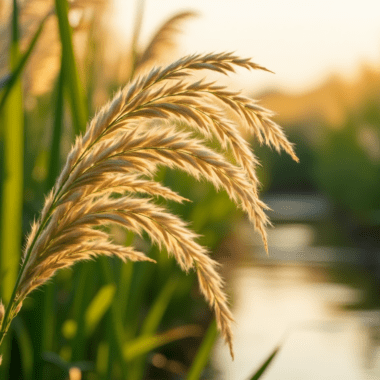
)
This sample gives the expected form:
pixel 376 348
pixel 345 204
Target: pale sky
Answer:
pixel 302 41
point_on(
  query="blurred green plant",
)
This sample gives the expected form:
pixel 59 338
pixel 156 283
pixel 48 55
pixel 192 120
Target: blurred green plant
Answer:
pixel 348 168
pixel 341 161
pixel 257 375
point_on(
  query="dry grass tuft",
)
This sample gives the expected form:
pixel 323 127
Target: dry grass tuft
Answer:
pixel 119 154
pixel 163 39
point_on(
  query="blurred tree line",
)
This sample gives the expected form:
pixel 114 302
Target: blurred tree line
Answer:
pixel 339 151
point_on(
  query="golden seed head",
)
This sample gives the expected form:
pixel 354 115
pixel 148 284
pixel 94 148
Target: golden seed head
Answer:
pixel 140 129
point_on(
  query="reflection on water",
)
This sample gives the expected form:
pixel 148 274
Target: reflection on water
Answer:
pixel 293 304
pixel 288 298
pixel 297 207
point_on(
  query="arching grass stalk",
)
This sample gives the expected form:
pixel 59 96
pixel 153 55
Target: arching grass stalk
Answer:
pixel 123 146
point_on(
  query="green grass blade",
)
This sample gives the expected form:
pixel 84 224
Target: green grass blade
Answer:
pixel 125 280
pixel 12 191
pixel 48 324
pixel 76 98
pixel 98 307
pixel 124 286
pixel 265 365
pixel 102 358
pixel 117 333
pixel 55 151
pixel 204 352
pixel 144 344
pixel 9 81
pixel 152 321
pixel 26 348
pixel 159 307
pixel 139 287
pixel 79 307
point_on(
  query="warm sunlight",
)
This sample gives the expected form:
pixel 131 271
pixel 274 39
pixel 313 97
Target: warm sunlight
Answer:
pixel 303 42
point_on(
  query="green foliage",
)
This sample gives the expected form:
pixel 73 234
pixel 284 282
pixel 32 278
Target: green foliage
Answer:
pixel 340 161
pixel 76 98
pixel 257 375
pixel 346 170
pixel 98 307
pixel 203 353
pixel 12 167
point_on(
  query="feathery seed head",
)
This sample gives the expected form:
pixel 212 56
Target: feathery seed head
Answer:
pixel 124 144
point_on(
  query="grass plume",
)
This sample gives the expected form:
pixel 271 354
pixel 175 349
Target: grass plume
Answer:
pixel 163 39
pixel 123 145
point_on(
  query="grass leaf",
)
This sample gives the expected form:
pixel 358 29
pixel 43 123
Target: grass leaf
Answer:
pixel 115 323
pixel 98 307
pixel 159 307
pixel 12 191
pixel 144 344
pixel 80 302
pixel 265 365
pixel 10 80
pixel 152 321
pixel 203 353
pixel 76 98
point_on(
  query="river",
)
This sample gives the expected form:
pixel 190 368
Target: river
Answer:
pixel 289 299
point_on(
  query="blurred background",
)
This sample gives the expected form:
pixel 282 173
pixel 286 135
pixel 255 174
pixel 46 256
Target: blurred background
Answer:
pixel 317 293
